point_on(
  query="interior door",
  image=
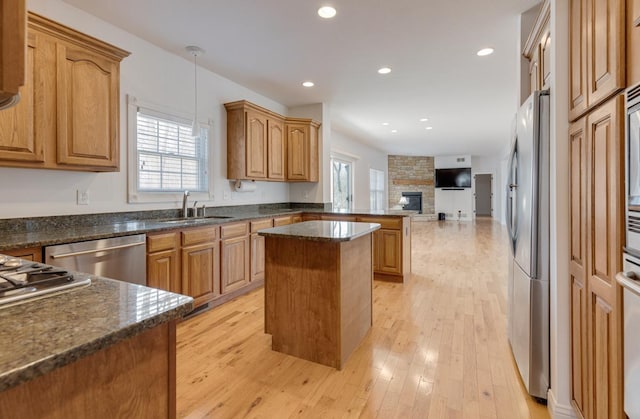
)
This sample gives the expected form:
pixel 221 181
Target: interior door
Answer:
pixel 483 194
pixel 342 184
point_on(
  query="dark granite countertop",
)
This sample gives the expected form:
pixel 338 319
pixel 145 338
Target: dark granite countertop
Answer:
pixel 331 231
pixel 46 231
pixel 40 335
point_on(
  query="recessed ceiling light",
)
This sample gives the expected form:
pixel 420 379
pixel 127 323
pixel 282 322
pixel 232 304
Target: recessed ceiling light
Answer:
pixel 424 119
pixel 384 70
pixel 393 131
pixel 385 123
pixel 326 12
pixel 308 84
pixel 485 51
pixel 429 128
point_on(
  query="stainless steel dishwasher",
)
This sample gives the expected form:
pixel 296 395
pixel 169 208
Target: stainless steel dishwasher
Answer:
pixel 123 258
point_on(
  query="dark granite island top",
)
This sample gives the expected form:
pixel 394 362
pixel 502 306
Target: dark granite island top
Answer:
pixel 332 231
pixel 39 336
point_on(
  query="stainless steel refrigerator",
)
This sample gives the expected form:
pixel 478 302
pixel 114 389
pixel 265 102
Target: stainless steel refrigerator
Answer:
pixel 528 225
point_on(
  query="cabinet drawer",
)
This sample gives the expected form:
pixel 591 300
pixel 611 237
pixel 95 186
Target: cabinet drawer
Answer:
pixel 338 217
pixel 235 230
pixel 310 217
pixel 165 241
pixel 385 222
pixel 261 224
pixel 283 220
pixel 199 235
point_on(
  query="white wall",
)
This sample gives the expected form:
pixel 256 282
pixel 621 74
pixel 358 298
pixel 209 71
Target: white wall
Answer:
pixel 560 395
pixel 456 201
pixel 153 76
pixel 364 158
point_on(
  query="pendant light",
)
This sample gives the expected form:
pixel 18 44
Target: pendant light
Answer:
pixel 195 51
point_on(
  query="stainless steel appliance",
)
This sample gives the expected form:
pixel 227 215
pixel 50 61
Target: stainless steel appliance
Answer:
pixel 122 258
pixel 630 277
pixel 630 280
pixel 528 225
pixel 21 279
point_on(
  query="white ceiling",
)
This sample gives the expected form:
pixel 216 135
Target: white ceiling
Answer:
pixel 273 46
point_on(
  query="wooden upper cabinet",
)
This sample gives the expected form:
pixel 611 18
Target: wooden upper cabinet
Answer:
pixel 88 108
pixel 633 42
pixel 597 53
pixel 577 58
pixel 605 49
pixel 68 117
pixel 537 49
pixel 302 150
pixel 13 24
pixel 23 130
pixel 256 143
pixel 276 150
pixel 263 145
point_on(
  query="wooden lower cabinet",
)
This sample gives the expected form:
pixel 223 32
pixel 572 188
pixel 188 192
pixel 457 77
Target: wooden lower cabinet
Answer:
pixel 186 262
pixel 30 253
pixel 235 256
pixel 163 261
pixel 387 244
pixel 200 264
pixel 597 150
pixel 257 249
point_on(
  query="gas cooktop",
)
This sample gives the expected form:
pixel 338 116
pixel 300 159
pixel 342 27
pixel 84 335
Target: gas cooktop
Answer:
pixel 21 279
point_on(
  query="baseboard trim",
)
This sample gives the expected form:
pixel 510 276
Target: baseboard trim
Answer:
pixel 559 411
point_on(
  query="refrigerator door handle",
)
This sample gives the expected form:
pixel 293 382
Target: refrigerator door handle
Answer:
pixel 511 185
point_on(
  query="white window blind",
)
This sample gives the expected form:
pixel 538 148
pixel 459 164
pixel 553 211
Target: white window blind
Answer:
pixel 376 188
pixel 169 158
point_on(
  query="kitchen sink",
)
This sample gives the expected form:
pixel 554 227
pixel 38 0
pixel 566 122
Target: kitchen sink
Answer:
pixel 187 221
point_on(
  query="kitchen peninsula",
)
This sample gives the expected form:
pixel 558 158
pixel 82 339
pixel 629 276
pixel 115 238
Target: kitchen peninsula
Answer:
pixel 318 288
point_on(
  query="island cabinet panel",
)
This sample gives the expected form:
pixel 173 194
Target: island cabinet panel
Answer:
pixel 133 378
pixel 257 249
pixel 69 116
pixel 235 259
pixel 13 25
pixel 318 297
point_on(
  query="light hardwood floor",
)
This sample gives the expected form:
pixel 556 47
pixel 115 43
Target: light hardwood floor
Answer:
pixel 437 348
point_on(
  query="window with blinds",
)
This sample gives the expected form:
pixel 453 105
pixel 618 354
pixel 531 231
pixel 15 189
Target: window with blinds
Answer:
pixel 170 159
pixel 376 189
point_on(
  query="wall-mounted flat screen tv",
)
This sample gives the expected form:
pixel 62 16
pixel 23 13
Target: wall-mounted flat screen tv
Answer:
pixel 453 178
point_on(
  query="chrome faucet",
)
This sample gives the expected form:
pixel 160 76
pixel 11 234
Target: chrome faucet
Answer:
pixel 184 204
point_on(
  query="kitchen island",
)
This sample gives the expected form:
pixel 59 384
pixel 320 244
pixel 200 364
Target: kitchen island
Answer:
pixel 318 288
pixel 104 350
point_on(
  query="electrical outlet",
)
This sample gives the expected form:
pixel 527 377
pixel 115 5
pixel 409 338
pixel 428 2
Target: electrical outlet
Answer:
pixel 82 197
pixel 225 195
pixel 305 194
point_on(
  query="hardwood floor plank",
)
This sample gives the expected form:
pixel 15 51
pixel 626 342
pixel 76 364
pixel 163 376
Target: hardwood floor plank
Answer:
pixel 437 347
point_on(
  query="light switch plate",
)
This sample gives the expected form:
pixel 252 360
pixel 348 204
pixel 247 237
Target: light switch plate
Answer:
pixel 82 197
